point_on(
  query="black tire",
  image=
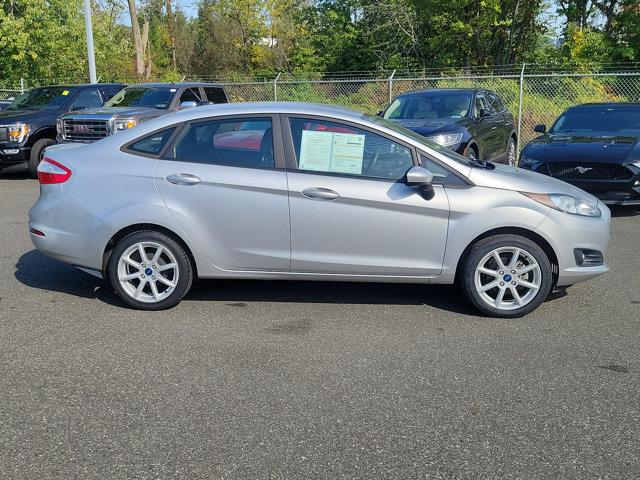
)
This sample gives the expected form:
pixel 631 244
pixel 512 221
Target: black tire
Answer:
pixel 511 146
pixel 485 246
pixel 471 153
pixel 185 269
pixel 36 154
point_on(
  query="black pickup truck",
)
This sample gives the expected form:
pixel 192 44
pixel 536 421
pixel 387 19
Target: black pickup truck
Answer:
pixel 134 105
pixel 28 125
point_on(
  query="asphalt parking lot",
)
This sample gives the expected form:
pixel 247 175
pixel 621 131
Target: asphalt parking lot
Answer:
pixel 252 379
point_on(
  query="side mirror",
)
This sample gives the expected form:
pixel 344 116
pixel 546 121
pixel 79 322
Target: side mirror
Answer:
pixel 420 178
pixel 541 128
pixel 188 104
pixel 380 113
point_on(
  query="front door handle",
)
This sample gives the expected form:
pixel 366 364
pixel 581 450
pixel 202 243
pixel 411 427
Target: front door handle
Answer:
pixel 319 193
pixel 182 179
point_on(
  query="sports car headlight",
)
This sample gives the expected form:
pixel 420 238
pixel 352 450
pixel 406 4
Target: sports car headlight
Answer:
pixel 120 125
pixel 566 203
pixel 527 162
pixel 446 139
pixel 17 132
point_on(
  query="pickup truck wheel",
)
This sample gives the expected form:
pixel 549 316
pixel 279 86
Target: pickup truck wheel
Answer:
pixel 36 154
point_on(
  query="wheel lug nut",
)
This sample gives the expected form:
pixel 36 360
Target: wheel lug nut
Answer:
pixel 153 277
pixel 502 284
pixel 513 283
pixel 501 272
pixel 513 271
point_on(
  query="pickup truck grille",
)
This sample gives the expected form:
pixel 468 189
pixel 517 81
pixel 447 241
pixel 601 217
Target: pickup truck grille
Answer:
pixel 85 130
pixel 588 171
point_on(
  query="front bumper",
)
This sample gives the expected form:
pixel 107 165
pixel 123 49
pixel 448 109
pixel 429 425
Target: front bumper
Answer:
pixel 566 233
pixel 13 155
pixel 609 191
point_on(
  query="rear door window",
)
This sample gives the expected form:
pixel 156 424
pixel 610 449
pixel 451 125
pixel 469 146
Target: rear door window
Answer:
pixel 215 94
pixel 89 98
pixel 246 142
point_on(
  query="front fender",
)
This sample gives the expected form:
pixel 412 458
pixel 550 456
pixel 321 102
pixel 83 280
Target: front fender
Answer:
pixel 478 210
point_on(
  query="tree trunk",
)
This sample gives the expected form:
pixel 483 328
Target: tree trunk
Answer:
pixel 172 37
pixel 141 41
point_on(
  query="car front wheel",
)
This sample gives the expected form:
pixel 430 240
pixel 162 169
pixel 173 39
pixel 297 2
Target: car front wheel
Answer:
pixel 506 276
pixel 150 271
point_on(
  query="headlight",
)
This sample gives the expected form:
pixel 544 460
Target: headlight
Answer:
pixel 17 132
pixel 446 139
pixel 527 162
pixel 636 164
pixel 120 125
pixel 59 127
pixel 566 203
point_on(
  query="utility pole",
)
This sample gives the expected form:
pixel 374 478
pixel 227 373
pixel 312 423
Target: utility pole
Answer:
pixel 90 53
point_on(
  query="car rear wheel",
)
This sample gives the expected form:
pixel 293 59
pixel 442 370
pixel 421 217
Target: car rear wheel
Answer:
pixel 471 154
pixel 150 271
pixel 506 276
pixel 36 154
pixel 511 152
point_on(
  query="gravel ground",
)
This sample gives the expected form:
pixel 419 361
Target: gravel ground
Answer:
pixel 250 379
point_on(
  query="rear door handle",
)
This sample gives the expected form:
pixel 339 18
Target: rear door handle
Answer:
pixel 182 179
pixel 319 193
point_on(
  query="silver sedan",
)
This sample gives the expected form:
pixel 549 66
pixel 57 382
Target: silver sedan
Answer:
pixel 308 192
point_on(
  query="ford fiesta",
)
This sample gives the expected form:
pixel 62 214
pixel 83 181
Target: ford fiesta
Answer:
pixel 309 192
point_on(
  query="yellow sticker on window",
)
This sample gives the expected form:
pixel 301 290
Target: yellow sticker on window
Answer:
pixel 65 93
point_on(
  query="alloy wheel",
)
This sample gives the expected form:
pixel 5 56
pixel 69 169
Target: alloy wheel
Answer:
pixel 148 272
pixel 508 278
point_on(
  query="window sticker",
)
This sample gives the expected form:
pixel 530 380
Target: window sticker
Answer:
pixel 348 153
pixel 65 93
pixel 315 151
pixel 332 152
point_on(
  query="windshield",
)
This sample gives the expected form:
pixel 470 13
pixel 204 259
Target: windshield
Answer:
pixel 44 98
pixel 623 120
pixel 151 97
pixel 447 152
pixel 430 106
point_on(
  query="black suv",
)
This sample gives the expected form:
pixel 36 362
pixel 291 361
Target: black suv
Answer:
pixel 595 147
pixel 28 124
pixel 134 105
pixel 473 122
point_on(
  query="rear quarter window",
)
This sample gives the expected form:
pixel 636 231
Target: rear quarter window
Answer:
pixel 216 94
pixel 151 144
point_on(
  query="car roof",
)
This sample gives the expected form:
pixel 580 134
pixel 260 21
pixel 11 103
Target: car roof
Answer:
pixel 298 108
pixel 605 104
pixel 83 85
pixel 440 90
pixel 178 84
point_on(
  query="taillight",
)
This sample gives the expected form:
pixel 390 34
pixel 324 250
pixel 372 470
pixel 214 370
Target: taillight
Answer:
pixel 50 172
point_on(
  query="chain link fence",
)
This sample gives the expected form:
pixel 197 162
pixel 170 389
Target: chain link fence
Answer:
pixel 533 98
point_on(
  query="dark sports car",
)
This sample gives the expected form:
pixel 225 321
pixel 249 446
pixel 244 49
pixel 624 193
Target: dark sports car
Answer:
pixel 595 147
pixel 473 122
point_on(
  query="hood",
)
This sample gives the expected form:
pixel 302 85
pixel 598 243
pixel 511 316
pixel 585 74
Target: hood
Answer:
pixel 517 179
pixel 13 116
pixel 428 127
pixel 105 113
pixel 583 148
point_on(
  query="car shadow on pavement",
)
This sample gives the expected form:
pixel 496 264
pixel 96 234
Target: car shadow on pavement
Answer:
pixel 352 293
pixel 630 211
pixel 36 270
pixel 18 172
